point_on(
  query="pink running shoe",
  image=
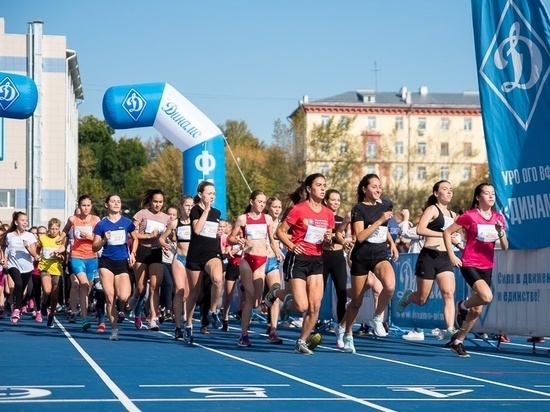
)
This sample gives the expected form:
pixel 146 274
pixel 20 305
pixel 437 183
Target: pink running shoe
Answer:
pixel 38 317
pixel 15 314
pixel 24 309
pixel 137 322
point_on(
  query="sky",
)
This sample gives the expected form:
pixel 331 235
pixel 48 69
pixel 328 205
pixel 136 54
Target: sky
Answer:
pixel 254 60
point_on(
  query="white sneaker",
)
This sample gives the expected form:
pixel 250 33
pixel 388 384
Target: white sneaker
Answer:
pixel 404 302
pixel 349 347
pixel 339 332
pixel 114 335
pixel 414 335
pixel 378 327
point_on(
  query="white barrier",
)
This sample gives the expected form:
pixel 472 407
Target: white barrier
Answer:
pixel 521 294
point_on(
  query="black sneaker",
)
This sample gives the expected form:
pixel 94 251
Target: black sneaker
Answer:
pixel 178 334
pixel 460 315
pixel 459 350
pixel 225 326
pixel 188 335
pixel 451 340
pixel 49 324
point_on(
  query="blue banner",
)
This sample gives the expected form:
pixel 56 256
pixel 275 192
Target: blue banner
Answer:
pixel 513 61
pixel 18 96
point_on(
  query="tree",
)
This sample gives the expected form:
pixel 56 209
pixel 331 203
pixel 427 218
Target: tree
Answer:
pixel 165 173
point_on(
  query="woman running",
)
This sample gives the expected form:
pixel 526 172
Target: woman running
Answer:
pixel 182 229
pixel 204 255
pixel 369 254
pixel 111 235
pixel 253 230
pixel 433 262
pixel 483 228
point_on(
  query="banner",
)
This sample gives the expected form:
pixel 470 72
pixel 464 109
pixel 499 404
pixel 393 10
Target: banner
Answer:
pixel 161 106
pixel 513 61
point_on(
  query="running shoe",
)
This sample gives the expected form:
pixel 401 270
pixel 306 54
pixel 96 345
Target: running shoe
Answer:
pixel 188 335
pixel 244 341
pixel 339 332
pixel 274 338
pixel 225 325
pixel 451 340
pixel 23 309
pixel 178 334
pixel 214 319
pixel 153 325
pixel 15 315
pixel 205 330
pixel 535 339
pixel 348 346
pixel 120 317
pixel 414 335
pixel 459 350
pixel 72 317
pixel 33 315
pixel 168 316
pixel 378 326
pixel 101 328
pixel 301 348
pixel 137 322
pixel 285 308
pixel 49 323
pixel 38 317
pixel 314 340
pixel 114 335
pixel 85 325
pixel 160 317
pixel 271 296
pixel 460 314
pixel 404 301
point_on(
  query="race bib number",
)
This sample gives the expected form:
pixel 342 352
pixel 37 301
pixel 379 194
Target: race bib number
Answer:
pixel 82 232
pixel 47 252
pixel 210 229
pixel 153 225
pixel 256 231
pixel 118 237
pixel 183 232
pixel 315 235
pixel 448 221
pixel 380 235
pixel 487 233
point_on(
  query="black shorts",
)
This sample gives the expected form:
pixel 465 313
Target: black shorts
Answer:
pixel 148 255
pixel 232 272
pixel 431 263
pixel 361 267
pixel 117 267
pixel 300 266
pixel 200 264
pixel 472 275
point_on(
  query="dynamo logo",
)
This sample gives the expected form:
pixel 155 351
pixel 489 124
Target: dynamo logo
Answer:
pixel 516 64
pixel 8 93
pixel 134 104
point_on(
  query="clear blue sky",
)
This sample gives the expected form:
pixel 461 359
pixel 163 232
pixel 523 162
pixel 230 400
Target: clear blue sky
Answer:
pixel 253 60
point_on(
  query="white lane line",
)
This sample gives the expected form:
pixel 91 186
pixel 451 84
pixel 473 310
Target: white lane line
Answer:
pixel 220 385
pixel 42 386
pixel 121 396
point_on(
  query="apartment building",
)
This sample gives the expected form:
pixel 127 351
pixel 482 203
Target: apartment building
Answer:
pixel 39 168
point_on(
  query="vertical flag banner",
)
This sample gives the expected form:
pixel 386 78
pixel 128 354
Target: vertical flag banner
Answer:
pixel 512 43
pixel 161 106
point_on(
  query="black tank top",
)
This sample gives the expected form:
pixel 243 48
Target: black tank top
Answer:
pixel 438 223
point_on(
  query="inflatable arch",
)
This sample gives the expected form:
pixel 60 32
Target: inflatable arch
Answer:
pixel 161 106
pixel 18 96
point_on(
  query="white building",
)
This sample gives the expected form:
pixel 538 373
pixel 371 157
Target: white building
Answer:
pixel 39 169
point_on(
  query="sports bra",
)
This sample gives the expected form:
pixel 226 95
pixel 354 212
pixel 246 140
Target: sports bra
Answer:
pixel 183 232
pixel 441 222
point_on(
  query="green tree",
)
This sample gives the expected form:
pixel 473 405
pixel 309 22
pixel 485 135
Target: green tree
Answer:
pixel 165 173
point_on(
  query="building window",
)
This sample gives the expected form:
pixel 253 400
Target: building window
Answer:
pixel 343 147
pixel 398 173
pixel 468 149
pixel 399 123
pixel 444 173
pixel 7 197
pixel 421 148
pixel 468 123
pixel 324 169
pixel 421 173
pixel 344 122
pixel 421 126
pixel 444 149
pixel 325 120
pixel 371 123
pixel 399 148
pixel 466 173
pixel 324 146
pixel 371 169
pixel 372 150
pixel 445 123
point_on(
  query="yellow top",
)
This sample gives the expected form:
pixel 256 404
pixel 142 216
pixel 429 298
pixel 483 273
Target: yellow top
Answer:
pixel 49 264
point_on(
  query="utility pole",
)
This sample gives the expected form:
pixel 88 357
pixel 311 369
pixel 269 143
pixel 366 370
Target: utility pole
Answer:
pixel 375 70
